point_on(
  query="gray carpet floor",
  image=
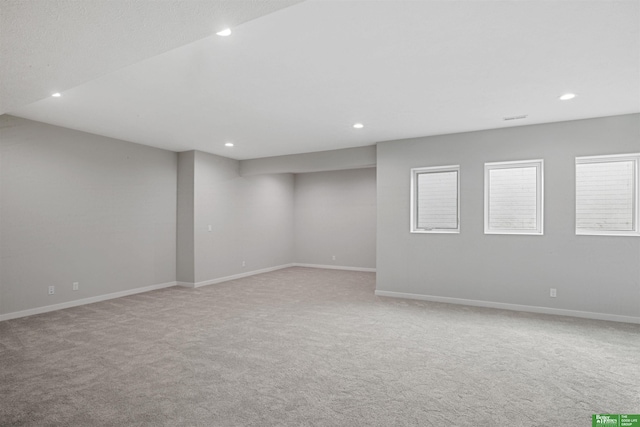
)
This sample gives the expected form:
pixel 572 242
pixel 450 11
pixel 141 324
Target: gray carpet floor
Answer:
pixel 310 347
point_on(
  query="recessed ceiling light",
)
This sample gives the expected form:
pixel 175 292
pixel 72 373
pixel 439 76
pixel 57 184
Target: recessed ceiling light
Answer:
pixel 224 33
pixel 567 96
pixel 56 95
pixel 358 126
pixel 228 144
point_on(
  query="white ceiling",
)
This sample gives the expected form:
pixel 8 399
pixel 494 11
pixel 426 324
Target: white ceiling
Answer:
pixel 55 45
pixel 296 80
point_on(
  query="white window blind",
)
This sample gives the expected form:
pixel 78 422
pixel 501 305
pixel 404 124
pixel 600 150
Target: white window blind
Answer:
pixel 438 200
pixel 606 195
pixel 435 199
pixel 513 197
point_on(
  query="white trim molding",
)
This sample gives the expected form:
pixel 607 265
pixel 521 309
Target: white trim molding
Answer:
pixel 114 295
pixel 232 277
pixel 538 165
pixel 512 307
pixel 634 231
pixel 415 203
pixel 83 301
pixel 335 267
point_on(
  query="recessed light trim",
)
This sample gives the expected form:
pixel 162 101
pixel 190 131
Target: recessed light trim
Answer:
pixel 358 126
pixel 228 144
pixel 56 95
pixel 224 33
pixel 567 96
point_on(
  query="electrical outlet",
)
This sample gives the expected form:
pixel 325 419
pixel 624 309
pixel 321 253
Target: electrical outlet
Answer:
pixel 333 257
pixel 552 292
pixel 210 228
pixel 244 264
pixel 75 286
pixel 52 290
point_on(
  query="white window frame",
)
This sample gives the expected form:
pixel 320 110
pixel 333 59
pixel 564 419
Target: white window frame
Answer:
pixel 633 157
pixel 414 199
pixel 539 165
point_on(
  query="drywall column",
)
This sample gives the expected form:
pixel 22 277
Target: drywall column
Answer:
pixel 229 225
pixel 185 262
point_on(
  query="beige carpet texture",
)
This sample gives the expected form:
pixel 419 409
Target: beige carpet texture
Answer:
pixel 310 347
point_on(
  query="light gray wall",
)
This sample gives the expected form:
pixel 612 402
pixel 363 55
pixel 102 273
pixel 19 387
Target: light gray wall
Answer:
pixel 251 219
pixel 77 207
pixel 591 273
pixel 185 258
pixel 320 161
pixel 335 214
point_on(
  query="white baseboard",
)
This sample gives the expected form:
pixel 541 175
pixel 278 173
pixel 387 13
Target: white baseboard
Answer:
pixel 61 306
pixel 83 301
pixel 513 307
pixel 335 267
pixel 186 284
pixel 233 277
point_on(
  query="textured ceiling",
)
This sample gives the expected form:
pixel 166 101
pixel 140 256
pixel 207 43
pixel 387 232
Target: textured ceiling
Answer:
pixel 296 80
pixel 55 45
